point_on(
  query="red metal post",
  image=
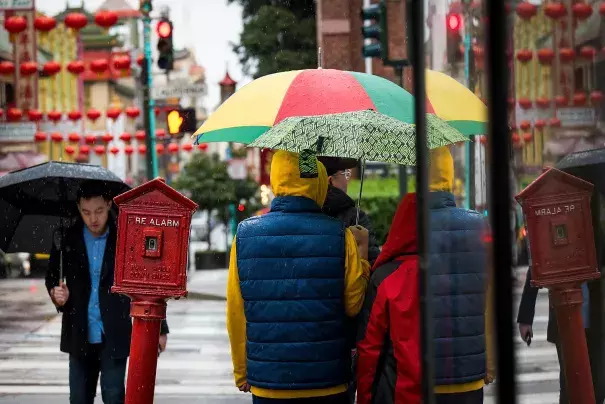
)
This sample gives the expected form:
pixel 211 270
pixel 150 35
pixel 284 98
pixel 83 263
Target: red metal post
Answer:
pixel 147 314
pixel 567 301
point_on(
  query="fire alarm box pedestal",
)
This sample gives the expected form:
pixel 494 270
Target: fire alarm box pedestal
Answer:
pixel 151 267
pixel 556 208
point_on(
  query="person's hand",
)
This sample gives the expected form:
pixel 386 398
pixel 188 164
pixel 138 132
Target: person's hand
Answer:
pixel 163 342
pixel 489 379
pixel 59 294
pixel 362 237
pixel 245 388
pixel 526 332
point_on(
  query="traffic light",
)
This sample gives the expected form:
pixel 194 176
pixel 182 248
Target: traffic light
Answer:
pixel 376 31
pixel 182 120
pixel 165 49
pixel 453 21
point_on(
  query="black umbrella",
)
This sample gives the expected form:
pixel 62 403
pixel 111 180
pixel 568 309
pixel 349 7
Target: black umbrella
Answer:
pixel 36 203
pixel 588 165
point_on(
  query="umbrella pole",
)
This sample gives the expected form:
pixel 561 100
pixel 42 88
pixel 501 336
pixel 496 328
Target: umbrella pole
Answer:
pixel 363 169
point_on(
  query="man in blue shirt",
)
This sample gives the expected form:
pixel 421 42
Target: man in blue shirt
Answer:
pixel 96 325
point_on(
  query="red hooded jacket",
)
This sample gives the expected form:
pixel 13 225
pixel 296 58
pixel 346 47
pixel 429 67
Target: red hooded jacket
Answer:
pixel 388 367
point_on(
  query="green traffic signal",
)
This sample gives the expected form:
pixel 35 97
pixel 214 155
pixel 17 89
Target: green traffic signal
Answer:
pixel 375 31
pixel 371 12
pixel 372 31
pixel 373 50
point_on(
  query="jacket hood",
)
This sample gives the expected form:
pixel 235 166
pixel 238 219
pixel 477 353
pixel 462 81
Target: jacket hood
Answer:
pixel 286 179
pixel 441 170
pixel 402 238
pixel 337 201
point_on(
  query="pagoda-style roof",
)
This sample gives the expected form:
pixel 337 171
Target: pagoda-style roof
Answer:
pixel 121 8
pixel 227 81
pixel 93 36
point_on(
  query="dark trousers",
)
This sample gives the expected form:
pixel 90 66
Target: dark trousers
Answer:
pixel 84 374
pixel 342 398
pixel 563 397
pixel 469 397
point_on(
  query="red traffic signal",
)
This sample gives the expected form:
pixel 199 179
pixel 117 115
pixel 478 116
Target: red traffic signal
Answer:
pixel 164 29
pixel 454 22
pixel 241 207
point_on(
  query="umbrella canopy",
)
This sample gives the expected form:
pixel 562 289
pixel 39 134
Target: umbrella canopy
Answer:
pixel 363 135
pixel 588 165
pixel 455 104
pixel 36 201
pixel 266 101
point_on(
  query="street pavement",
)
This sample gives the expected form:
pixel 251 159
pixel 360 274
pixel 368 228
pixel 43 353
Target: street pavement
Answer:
pixel 196 368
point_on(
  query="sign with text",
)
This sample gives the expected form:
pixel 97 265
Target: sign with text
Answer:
pixel 17 132
pixel 177 91
pixel 576 117
pixel 16 4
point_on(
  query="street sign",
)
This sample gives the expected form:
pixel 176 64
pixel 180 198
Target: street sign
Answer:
pixel 17 132
pixel 16 4
pixel 172 91
pixel 237 169
pixel 576 117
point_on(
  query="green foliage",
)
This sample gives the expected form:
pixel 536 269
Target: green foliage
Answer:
pixel 278 35
pixel 381 210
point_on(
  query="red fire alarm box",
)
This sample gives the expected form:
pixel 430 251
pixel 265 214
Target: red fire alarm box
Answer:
pixel 153 239
pixel 556 208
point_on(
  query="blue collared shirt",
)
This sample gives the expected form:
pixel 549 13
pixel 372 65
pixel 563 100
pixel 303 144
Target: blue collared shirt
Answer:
pixel 95 249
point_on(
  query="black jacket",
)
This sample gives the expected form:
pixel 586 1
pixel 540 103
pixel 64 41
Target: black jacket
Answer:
pixel 115 309
pixel 340 205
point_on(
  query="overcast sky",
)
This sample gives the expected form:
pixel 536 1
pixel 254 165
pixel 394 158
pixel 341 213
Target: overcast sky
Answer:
pixel 207 26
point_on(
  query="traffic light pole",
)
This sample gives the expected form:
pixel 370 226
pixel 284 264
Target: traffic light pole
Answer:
pixel 403 175
pixel 148 102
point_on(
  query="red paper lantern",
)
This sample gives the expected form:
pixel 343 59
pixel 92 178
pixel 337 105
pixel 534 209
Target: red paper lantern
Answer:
pixel 7 68
pixel 15 24
pixel 525 125
pixel 526 10
pixel 140 135
pixel 76 21
pixel 69 149
pixel 596 97
pixel 34 115
pixel 540 123
pixel 483 139
pixel 76 67
pixel 173 148
pixel 140 60
pixel 99 150
pixel 51 68
pixel 142 149
pixel 14 114
pixel 525 103
pixel 527 137
pixel 56 137
pixel 160 133
pixel 588 52
pixel 74 115
pixel 28 68
pixel 133 112
pixel 566 55
pixel 579 99
pixel 202 146
pixel 74 137
pixel 44 24
pixel 93 114
pixel 187 147
pixel 524 55
pixel 543 102
pixel 90 139
pixel 114 150
pixel 555 10
pixel 121 62
pixel 515 138
pixel 602 8
pixel 106 18
pixel 128 150
pixel 99 66
pixel 554 123
pixel 108 137
pixel 1 112
pixel 159 148
pixel 125 137
pixel 546 56
pixel 113 113
pixel 157 111
pixel 581 11
pixel 561 101
pixel 85 150
pixel 54 116
pixel 511 102
pixel 40 137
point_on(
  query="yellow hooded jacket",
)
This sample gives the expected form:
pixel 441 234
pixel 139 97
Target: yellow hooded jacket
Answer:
pixel 441 178
pixel 286 181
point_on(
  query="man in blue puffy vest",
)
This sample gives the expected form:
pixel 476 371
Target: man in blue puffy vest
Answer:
pixel 295 276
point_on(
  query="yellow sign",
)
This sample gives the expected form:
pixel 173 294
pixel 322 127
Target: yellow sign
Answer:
pixel 175 120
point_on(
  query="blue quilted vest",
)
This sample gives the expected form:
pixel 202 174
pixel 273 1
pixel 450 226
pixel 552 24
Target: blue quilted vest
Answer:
pixel 291 271
pixel 458 276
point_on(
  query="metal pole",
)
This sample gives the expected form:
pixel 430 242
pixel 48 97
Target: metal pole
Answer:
pixel 148 102
pixel 416 20
pixel 403 174
pixel 500 196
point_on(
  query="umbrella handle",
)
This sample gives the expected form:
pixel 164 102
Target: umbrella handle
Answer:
pixel 61 266
pixel 363 169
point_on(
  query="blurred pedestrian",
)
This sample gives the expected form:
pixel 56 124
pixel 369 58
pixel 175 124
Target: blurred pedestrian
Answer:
pixel 96 326
pixel 388 368
pixel 295 275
